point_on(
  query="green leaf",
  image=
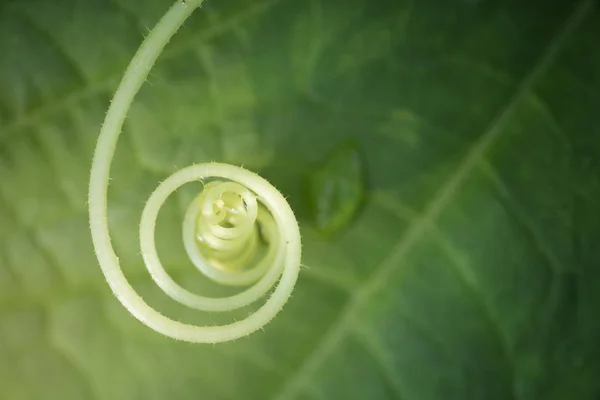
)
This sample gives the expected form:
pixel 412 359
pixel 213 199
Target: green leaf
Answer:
pixel 470 272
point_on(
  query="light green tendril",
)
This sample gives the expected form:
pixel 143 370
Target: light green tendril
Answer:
pixel 221 229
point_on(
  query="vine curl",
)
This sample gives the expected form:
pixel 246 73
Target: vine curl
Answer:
pixel 222 228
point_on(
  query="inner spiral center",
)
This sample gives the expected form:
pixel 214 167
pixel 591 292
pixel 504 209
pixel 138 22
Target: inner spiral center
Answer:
pixel 226 228
pixel 230 210
pixel 228 236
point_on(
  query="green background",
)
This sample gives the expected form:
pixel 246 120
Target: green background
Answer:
pixel 470 270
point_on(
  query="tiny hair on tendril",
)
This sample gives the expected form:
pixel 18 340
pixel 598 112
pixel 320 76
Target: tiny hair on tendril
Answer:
pixel 224 225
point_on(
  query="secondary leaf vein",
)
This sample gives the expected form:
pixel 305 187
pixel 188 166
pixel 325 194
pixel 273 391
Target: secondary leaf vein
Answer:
pixel 375 349
pixel 94 88
pixel 57 47
pixel 508 202
pixel 464 272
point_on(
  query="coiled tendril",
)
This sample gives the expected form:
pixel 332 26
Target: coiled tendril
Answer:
pixel 221 228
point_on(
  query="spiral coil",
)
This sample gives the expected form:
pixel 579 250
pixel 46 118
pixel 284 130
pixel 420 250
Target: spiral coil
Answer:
pixel 221 229
pixel 223 226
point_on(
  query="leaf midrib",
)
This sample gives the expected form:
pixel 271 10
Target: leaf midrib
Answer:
pixel 342 326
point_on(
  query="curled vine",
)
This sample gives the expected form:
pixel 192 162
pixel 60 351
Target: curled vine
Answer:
pixel 221 228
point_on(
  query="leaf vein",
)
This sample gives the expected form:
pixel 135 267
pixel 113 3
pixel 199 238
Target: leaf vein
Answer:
pixel 507 201
pixel 393 205
pixel 73 201
pixel 94 88
pixel 57 46
pixel 53 344
pixel 328 277
pixel 340 327
pixel 127 13
pixel 470 282
pixel 375 349
pixel 32 237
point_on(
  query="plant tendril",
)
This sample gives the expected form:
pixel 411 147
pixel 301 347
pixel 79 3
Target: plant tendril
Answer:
pixel 223 227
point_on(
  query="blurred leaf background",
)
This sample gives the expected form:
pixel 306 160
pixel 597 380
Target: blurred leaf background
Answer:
pixel 465 265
